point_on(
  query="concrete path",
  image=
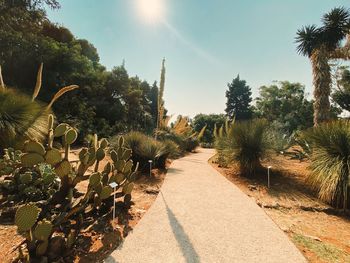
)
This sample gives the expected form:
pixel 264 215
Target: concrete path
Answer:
pixel 199 216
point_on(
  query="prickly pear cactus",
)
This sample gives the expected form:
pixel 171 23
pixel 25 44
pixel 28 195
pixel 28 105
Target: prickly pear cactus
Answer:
pixel 43 230
pixel 26 216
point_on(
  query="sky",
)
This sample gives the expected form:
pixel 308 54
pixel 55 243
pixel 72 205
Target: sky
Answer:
pixel 206 43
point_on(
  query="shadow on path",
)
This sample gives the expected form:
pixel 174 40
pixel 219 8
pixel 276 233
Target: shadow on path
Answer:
pixel 182 238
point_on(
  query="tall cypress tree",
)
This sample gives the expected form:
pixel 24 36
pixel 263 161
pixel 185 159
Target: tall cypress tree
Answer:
pixel 239 97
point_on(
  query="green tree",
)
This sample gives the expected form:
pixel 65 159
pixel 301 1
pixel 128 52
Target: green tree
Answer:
pixel 285 104
pixel 341 95
pixel 210 121
pixel 108 102
pixel 239 98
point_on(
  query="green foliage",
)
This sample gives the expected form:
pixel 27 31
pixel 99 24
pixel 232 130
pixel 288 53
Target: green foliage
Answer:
pixel 25 184
pixel 107 103
pixel 244 142
pixel 341 94
pixel 182 133
pixel 286 105
pixel 330 160
pixel 20 118
pixel 145 148
pixel 208 121
pixel 61 210
pixel 239 98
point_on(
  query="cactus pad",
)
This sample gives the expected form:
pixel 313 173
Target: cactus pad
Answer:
pixel 26 217
pixel 51 120
pixel 43 230
pixel 106 192
pixel 70 136
pixel 98 188
pixel 127 189
pixel 53 156
pixel 121 141
pixel 63 168
pixel 114 156
pixel 119 177
pixel 71 238
pixel 103 143
pixel 94 179
pixel 127 154
pixel 108 168
pixel 31 159
pixel 128 166
pixel 119 165
pixel 34 147
pixel 120 152
pixel 26 178
pixel 100 154
pixel 42 248
pixel 61 129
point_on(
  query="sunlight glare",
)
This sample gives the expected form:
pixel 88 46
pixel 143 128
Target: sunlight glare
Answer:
pixel 151 11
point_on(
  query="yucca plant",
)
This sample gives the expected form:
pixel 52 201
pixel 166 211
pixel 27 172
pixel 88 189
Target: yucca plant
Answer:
pixel 21 117
pixel 244 142
pixel 330 160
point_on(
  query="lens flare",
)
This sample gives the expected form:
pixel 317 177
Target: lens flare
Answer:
pixel 151 11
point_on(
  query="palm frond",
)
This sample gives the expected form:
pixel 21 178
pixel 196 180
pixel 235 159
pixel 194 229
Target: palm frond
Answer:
pixel 336 25
pixel 308 38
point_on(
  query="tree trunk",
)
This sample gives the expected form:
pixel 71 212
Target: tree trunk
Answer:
pixel 322 85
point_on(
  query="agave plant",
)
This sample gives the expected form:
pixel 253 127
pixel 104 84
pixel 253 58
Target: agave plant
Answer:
pixel 21 116
pixel 244 142
pixel 330 160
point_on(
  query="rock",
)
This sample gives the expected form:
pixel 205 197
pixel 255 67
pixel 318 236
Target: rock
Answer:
pixel 252 187
pixel 314 238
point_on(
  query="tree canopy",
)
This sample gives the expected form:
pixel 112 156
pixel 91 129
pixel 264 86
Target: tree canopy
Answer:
pixel 107 102
pixel 239 98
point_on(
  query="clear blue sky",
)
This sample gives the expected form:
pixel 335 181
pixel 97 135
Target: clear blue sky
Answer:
pixel 205 42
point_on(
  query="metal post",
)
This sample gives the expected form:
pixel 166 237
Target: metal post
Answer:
pixel 114 204
pixel 268 176
pixel 113 185
pixel 150 168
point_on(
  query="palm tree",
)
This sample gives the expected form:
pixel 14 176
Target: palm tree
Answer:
pixel 321 44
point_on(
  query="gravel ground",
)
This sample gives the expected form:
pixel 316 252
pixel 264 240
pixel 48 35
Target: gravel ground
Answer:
pixel 199 216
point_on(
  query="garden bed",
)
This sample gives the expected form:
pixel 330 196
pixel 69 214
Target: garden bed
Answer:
pixel 102 237
pixel 320 232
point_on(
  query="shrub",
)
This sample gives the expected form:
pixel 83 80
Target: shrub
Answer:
pixel 21 117
pixel 245 142
pixel 330 161
pixel 145 148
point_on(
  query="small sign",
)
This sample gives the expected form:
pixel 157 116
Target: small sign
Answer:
pixel 113 185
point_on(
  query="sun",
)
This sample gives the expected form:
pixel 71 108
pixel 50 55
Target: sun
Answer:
pixel 151 11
